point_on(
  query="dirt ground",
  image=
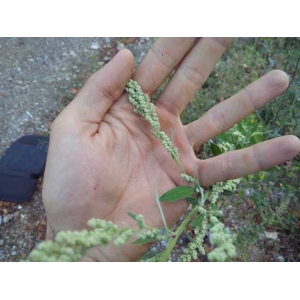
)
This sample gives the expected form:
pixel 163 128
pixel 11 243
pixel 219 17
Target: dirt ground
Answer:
pixel 38 77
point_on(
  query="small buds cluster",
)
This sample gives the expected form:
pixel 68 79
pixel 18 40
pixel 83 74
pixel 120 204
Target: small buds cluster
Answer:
pixel 188 178
pixel 123 237
pixel 150 234
pixel 223 241
pixel 140 221
pixel 145 108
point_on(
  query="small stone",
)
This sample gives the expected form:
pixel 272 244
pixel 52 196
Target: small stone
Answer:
pixel 0 220
pixel 95 46
pixel 7 218
pixel 72 53
pixel 271 235
pixel 16 214
pixel 106 58
pixel 20 206
pixel 1 242
pixel 120 46
pixel 13 253
pixel 279 258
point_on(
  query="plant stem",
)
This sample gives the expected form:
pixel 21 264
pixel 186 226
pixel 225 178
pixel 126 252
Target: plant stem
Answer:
pixel 179 231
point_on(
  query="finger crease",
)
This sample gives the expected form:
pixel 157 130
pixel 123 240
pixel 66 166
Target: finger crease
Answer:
pixel 249 99
pixel 257 158
pixel 227 168
pixel 193 75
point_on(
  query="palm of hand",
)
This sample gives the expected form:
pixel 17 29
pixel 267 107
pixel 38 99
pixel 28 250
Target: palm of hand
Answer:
pixel 114 171
pixel 103 160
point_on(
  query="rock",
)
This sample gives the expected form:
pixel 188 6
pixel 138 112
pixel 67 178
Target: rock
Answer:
pixel 120 46
pixel 16 214
pixel 95 46
pixel 13 253
pixel 279 258
pixel 271 235
pixel 106 58
pixel 72 53
pixel 1 242
pixel 0 220
pixel 7 218
pixel 20 206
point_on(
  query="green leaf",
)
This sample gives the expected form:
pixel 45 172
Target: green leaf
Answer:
pixel 177 193
pixel 143 241
pixel 238 146
pixel 276 168
pixel 215 207
pixel 162 231
pixel 258 133
pixel 132 215
pixel 189 237
pixel 241 128
pixel 227 193
pixel 215 149
pixel 192 200
pixel 198 221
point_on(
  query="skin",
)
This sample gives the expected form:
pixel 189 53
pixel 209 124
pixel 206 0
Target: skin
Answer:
pixel 103 161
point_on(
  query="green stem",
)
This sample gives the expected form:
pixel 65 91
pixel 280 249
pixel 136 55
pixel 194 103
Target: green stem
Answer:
pixel 179 231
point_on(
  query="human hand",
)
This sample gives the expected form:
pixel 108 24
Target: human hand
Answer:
pixel 103 160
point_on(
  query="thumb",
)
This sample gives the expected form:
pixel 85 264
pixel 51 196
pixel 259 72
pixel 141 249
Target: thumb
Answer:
pixel 101 90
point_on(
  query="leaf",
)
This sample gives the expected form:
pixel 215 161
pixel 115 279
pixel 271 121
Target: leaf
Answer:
pixel 162 231
pixel 132 215
pixel 276 168
pixel 177 193
pixel 215 149
pixel 258 133
pixel 215 207
pixel 241 128
pixel 143 241
pixel 192 201
pixel 198 221
pixel 189 237
pixel 227 193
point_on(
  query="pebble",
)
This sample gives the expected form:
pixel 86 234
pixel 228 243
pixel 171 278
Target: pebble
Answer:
pixel 17 213
pixel 95 46
pixel 120 46
pixel 1 242
pixel 0 220
pixel 7 218
pixel 13 253
pixel 72 53
pixel 271 235
pixel 279 258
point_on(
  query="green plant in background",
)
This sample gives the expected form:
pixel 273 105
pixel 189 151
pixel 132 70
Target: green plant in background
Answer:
pixel 268 192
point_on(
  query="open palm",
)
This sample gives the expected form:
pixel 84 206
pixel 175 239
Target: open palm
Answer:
pixel 103 160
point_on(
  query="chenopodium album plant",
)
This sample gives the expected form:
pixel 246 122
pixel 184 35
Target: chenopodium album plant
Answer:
pixel 203 214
